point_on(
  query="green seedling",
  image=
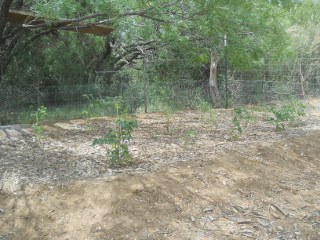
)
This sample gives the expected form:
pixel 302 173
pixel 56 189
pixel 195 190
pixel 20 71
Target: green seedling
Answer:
pixel 203 106
pixel 39 117
pixel 118 105
pixel 212 119
pixel 119 136
pixel 240 114
pixel 89 110
pixel 168 119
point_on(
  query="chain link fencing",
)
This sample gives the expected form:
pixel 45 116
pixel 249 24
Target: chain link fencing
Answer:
pixel 150 90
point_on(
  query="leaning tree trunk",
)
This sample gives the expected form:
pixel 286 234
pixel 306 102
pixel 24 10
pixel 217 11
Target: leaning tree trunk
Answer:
pixel 213 85
pixel 302 81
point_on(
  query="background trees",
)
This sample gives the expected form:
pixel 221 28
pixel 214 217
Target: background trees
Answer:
pixel 249 33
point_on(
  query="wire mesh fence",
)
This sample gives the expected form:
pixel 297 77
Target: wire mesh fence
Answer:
pixel 156 89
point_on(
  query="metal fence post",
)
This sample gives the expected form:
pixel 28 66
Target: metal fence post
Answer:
pixel 145 97
pixel 226 72
pixel 226 79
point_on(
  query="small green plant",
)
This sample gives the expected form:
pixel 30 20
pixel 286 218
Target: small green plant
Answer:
pixel 119 136
pixel 212 119
pixel 288 114
pixel 168 118
pixel 238 115
pixel 118 104
pixel 203 106
pixel 112 105
pixel 89 110
pixel 39 117
pixel 189 138
pixel 243 113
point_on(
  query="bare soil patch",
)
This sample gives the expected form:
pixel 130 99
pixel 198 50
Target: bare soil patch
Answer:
pixel 265 185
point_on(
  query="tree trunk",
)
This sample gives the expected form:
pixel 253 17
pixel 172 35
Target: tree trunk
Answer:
pixel 4 9
pixel 213 85
pixel 302 81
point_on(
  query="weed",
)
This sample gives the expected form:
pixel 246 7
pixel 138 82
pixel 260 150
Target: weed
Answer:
pixel 39 117
pixel 238 115
pixel 212 119
pixel 168 118
pixel 203 106
pixel 288 114
pixel 189 138
pixel 243 113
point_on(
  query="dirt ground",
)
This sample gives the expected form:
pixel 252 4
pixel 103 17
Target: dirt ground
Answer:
pixel 262 185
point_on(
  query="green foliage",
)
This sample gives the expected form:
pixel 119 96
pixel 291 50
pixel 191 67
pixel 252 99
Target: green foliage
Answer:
pixel 39 117
pixel 90 108
pixel 203 105
pixel 189 138
pixel 237 125
pixel 168 114
pixel 243 113
pixel 119 136
pixel 133 96
pixel 118 104
pixel 240 114
pixel 288 114
pixel 255 30
pixel 212 119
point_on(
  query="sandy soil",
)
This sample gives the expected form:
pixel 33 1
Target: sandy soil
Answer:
pixel 264 185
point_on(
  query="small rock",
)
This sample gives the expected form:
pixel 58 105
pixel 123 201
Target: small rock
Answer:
pixel 243 221
pixel 275 215
pixel 97 229
pixel 208 209
pixel 1 210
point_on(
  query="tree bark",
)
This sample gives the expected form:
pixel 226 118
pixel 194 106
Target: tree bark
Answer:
pixel 302 81
pixel 213 85
pixel 4 8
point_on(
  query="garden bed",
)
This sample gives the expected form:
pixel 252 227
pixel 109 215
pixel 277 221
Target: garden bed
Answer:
pixel 213 183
